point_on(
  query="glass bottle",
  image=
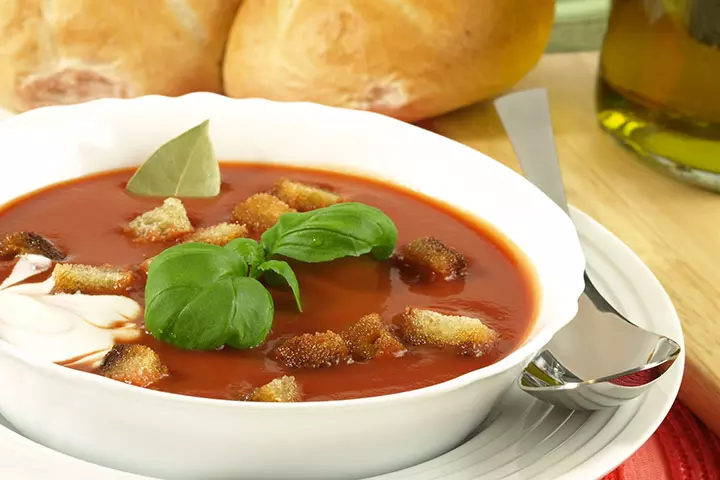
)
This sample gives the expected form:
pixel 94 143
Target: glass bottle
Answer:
pixel 659 86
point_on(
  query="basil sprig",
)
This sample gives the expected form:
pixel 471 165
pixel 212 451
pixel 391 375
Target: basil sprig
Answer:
pixel 201 296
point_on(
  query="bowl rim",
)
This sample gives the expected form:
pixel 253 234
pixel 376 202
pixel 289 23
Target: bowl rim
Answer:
pixel 513 360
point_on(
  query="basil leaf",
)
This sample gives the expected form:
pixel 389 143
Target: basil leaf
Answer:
pixel 325 234
pixel 254 314
pixel 191 265
pixel 249 250
pixel 187 318
pixel 237 311
pixel 283 270
pixel 199 297
pixel 183 167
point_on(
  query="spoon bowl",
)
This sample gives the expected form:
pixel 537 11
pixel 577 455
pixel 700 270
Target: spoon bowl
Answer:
pixel 600 359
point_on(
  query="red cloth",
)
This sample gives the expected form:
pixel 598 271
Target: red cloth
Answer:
pixel 681 449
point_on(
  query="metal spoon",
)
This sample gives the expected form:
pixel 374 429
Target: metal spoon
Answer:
pixel 601 359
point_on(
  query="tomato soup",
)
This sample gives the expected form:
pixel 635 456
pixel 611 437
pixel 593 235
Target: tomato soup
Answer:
pixel 86 217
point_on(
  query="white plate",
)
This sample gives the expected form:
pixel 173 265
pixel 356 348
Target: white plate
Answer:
pixel 524 438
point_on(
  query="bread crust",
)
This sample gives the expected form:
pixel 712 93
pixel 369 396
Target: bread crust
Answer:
pixel 410 59
pixel 69 51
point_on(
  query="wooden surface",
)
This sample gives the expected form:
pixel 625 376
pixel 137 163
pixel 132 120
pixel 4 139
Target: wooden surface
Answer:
pixel 673 227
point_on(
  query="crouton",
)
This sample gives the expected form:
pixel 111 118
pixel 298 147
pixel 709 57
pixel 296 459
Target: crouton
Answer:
pixel 426 327
pixel 260 212
pixel 145 265
pixel 92 280
pixel 312 350
pixel 134 364
pixel 430 254
pixel 161 224
pixel 220 234
pixel 283 389
pixel 24 243
pixel 369 338
pixel 304 197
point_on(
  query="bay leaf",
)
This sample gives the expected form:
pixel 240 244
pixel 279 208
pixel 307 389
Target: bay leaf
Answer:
pixel 185 166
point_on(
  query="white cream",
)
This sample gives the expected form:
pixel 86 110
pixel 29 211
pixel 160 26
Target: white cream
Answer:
pixel 62 327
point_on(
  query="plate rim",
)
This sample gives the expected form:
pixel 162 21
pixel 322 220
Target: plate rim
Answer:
pixel 674 379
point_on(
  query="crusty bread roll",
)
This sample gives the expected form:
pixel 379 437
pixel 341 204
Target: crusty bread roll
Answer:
pixel 410 59
pixel 69 51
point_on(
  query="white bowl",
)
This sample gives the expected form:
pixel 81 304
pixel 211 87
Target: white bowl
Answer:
pixel 179 437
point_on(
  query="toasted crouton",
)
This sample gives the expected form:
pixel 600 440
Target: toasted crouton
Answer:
pixel 145 265
pixel 304 197
pixel 283 389
pixel 161 224
pixel 134 364
pixel 24 243
pixel 430 254
pixel 92 280
pixel 220 234
pixel 312 350
pixel 369 338
pixel 260 212
pixel 425 327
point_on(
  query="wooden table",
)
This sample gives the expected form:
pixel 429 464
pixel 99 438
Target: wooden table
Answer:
pixel 671 226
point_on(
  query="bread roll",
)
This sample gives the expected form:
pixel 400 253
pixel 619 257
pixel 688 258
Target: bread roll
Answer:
pixel 410 59
pixel 70 51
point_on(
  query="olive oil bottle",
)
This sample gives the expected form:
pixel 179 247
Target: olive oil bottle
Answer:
pixel 659 84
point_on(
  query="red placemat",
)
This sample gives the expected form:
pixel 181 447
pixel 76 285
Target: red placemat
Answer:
pixel 681 449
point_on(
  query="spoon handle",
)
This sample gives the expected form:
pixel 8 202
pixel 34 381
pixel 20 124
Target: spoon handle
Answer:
pixel 526 118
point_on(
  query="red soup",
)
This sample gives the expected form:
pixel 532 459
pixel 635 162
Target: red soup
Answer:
pixel 86 217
